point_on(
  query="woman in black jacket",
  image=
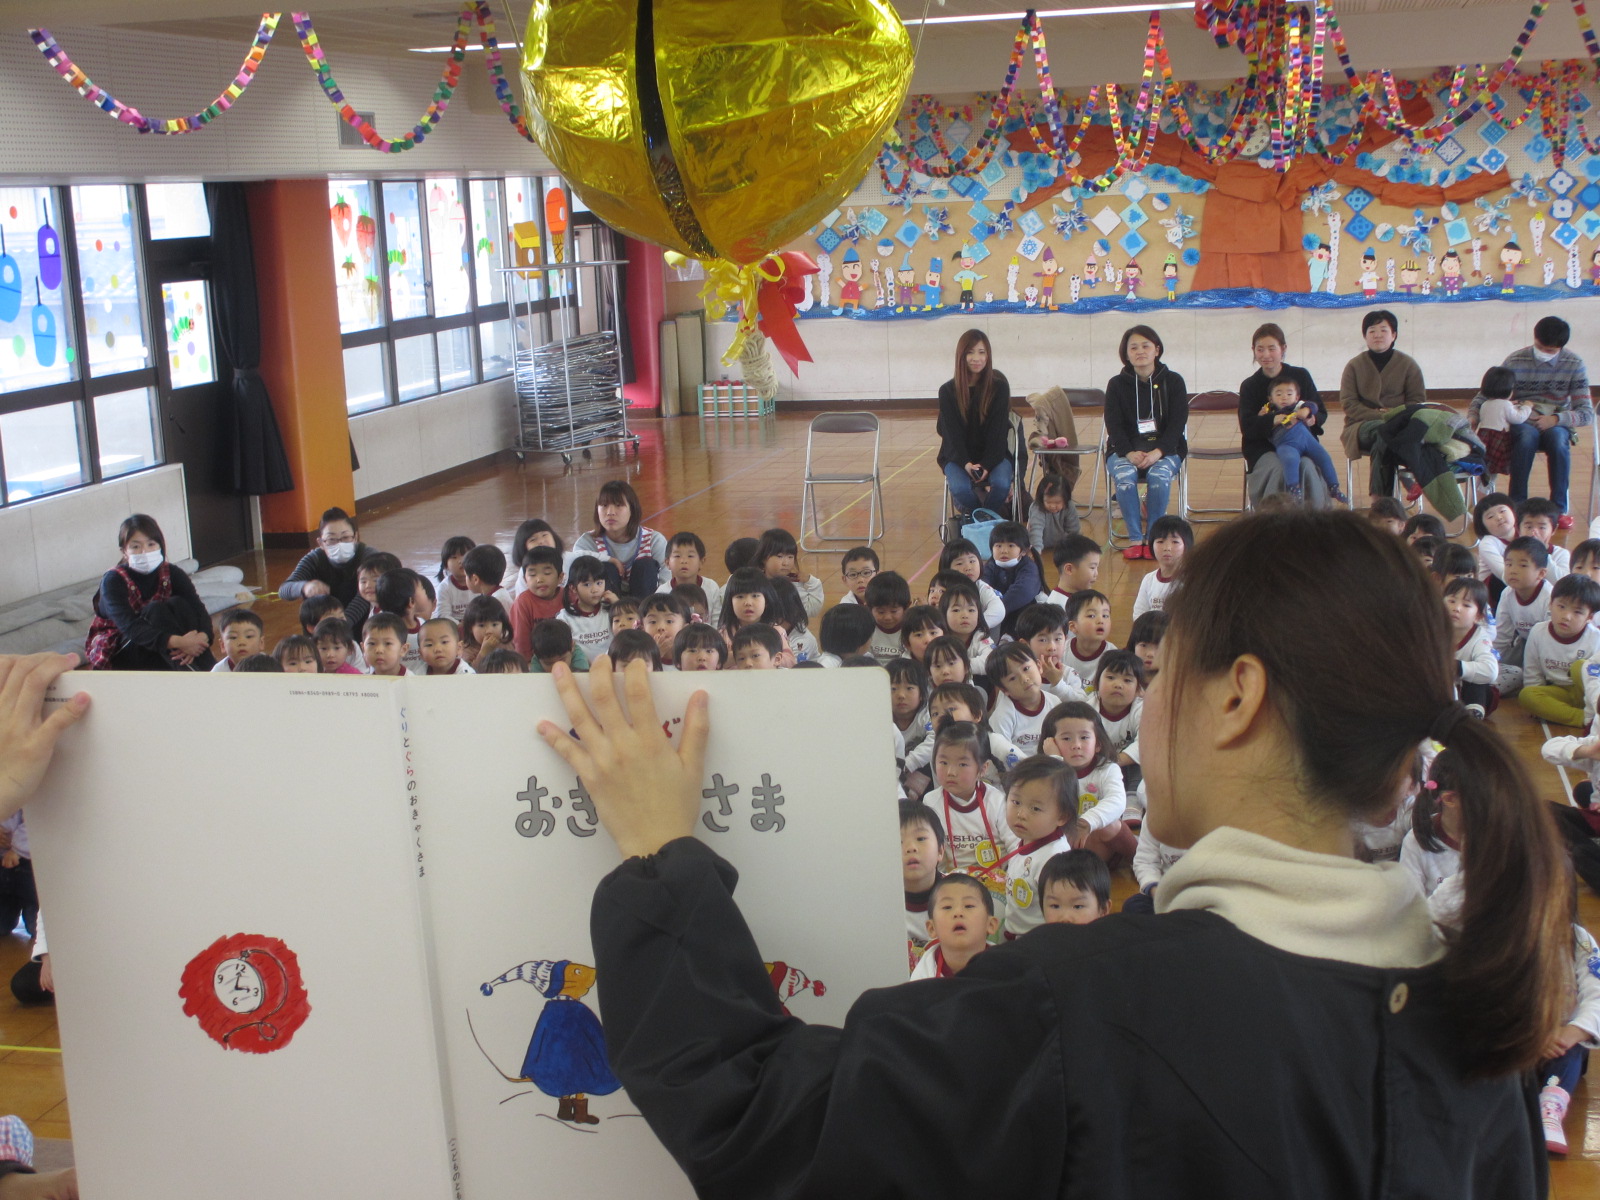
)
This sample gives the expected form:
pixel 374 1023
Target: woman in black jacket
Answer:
pixel 333 565
pixel 974 421
pixel 148 616
pixel 1263 471
pixel 1147 417
pixel 1287 1024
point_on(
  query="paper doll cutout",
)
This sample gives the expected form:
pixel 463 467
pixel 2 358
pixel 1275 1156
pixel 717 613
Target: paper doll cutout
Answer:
pixel 933 284
pixel 1594 269
pixel 1132 274
pixel 850 273
pixel 1369 273
pixel 1318 265
pixel 246 993
pixel 1091 273
pixel 1169 274
pixel 1549 271
pixel 1410 275
pixel 1030 296
pixel 825 279
pixel 967 279
pixel 1074 287
pixel 1536 228
pixel 1510 260
pixel 1389 270
pixel 883 285
pixel 906 278
pixel 1046 275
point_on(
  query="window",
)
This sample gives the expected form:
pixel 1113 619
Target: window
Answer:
pixel 177 210
pixel 77 377
pixel 422 304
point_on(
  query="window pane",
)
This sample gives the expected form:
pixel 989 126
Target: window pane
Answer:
pixel 447 248
pixel 488 240
pixel 495 340
pixel 413 365
pixel 112 310
pixel 40 447
pixel 364 385
pixel 455 359
pixel 355 254
pixel 524 222
pixel 124 423
pixel 408 293
pixel 188 333
pixel 177 210
pixel 35 336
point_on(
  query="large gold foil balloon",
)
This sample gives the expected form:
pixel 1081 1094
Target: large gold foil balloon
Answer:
pixel 718 128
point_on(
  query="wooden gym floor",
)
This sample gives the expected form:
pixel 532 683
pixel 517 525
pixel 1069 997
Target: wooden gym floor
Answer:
pixel 733 478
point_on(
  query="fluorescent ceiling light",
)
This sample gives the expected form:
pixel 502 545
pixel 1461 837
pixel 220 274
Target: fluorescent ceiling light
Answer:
pixel 1103 10
pixel 448 49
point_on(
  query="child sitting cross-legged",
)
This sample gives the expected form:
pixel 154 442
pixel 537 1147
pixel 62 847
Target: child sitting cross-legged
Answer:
pixel 1043 628
pixel 1170 538
pixel 1118 692
pixel 887 598
pixel 383 644
pixel 699 647
pixel 847 629
pixel 1075 888
pixel 629 644
pixel 1019 710
pixel 1538 517
pixel 297 654
pixel 441 648
pixel 552 643
pixel 859 565
pixel 1041 804
pixel 1089 624
pixel 1073 732
pixel 1012 571
pixel 1077 560
pixel 1465 603
pixel 1556 651
pixel 243 634
pixel 336 647
pixel 1524 603
pixel 756 647
pixel 961 921
pixel 921 847
pixel 663 617
pixel 922 624
pixel 973 812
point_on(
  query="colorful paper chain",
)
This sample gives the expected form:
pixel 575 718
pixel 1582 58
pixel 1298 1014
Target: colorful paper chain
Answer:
pixel 129 115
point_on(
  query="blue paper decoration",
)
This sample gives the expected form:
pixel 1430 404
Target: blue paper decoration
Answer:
pixel 977 192
pixel 960 184
pixel 1133 242
pixel 992 174
pixel 1030 222
pixel 1564 235
pixel 1458 231
pixel 926 148
pixel 1449 150
pixel 1191 256
pixel 1562 209
pixel 908 234
pixel 1589 195
pixel 976 251
pixel 982 231
pixel 1537 147
pixel 1492 159
pixel 872 221
pixel 1135 216
pixel 828 240
pixel 1102 247
pixel 1384 232
pixel 1357 199
pixel 1359 227
pixel 1561 182
pixel 981 212
pixel 1590 224
pixel 1019 194
pixel 1492 132
pixel 1310 242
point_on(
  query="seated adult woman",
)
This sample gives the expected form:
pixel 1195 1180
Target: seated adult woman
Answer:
pixel 974 421
pixel 148 616
pixel 1147 417
pixel 1264 470
pixel 1375 381
pixel 332 567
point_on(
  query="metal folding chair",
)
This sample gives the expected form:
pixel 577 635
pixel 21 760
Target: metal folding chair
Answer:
pixel 847 424
pixel 1215 401
pixel 1113 511
pixel 1017 445
pixel 1082 401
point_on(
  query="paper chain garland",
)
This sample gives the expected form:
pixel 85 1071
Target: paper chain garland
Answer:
pixel 477 11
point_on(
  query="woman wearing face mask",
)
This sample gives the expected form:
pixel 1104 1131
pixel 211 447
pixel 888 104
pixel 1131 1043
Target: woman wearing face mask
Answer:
pixel 147 615
pixel 333 565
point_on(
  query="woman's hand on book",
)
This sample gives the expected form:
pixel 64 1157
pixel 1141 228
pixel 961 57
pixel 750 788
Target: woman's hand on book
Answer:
pixel 27 736
pixel 645 785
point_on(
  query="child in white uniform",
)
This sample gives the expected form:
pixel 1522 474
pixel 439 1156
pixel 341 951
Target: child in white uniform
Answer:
pixel 1170 537
pixel 921 847
pixel 584 606
pixel 778 555
pixel 962 921
pixel 1089 630
pixel 1019 710
pixel 1073 732
pixel 963 613
pixel 1552 687
pixel 1151 861
pixel 1524 603
pixel 1477 668
pixel 1041 803
pixel 973 812
pixel 685 555
pixel 1118 699
pixel 1494 520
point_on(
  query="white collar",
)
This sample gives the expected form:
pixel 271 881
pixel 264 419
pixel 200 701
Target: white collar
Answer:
pixel 1317 905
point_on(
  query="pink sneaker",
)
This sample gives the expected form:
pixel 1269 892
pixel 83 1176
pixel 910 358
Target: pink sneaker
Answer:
pixel 1553 1101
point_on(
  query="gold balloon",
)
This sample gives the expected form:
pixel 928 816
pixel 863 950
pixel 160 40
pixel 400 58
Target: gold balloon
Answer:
pixel 717 128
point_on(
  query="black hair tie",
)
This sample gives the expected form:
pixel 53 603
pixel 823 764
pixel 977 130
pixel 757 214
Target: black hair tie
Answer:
pixel 1444 724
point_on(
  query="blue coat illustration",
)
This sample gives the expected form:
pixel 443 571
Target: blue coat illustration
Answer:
pixel 566 1056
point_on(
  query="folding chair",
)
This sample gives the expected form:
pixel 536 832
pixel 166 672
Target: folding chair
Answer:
pixel 1017 446
pixel 850 424
pixel 1205 402
pixel 1180 485
pixel 1079 401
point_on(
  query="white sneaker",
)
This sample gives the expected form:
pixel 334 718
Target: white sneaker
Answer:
pixel 1553 1103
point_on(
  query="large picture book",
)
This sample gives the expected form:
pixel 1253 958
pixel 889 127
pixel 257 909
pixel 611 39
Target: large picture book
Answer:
pixel 320 935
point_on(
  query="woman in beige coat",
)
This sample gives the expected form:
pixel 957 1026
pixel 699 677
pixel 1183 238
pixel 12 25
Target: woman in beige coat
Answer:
pixel 1374 381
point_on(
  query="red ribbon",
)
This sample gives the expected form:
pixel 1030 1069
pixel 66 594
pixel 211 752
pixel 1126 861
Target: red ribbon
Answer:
pixel 777 301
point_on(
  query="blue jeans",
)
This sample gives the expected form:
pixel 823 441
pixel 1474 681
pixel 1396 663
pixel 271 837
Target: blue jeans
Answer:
pixel 1295 443
pixel 991 493
pixel 1158 486
pixel 1528 441
pixel 1567 1069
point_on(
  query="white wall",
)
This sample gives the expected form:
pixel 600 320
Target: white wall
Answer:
pixel 409 441
pixel 54 541
pixel 909 359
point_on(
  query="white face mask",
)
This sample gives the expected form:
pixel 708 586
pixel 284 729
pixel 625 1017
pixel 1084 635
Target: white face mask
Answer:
pixel 1006 563
pixel 1543 357
pixel 145 563
pixel 340 554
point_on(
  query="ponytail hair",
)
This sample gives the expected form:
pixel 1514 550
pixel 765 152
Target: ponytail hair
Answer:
pixel 1353 724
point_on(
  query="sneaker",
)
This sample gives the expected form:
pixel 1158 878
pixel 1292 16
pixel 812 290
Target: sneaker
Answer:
pixel 1147 554
pixel 1475 710
pixel 1133 553
pixel 1553 1101
pixel 1296 492
pixel 1565 521
pixel 1339 496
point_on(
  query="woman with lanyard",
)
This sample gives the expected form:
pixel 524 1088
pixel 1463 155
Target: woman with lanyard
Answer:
pixel 1147 416
pixel 332 568
pixel 1263 470
pixel 633 553
pixel 1377 380
pixel 1288 1024
pixel 147 615
pixel 974 426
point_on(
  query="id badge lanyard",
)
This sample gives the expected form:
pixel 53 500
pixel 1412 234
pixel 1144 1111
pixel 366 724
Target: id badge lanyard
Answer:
pixel 1146 425
pixel 985 849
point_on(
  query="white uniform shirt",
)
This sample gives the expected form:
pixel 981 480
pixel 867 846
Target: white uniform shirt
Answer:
pixel 1152 859
pixel 1018 725
pixel 975 831
pixel 1101 797
pixel 1548 660
pixel 591 633
pixel 1476 656
pixel 886 645
pixel 1429 867
pixel 1122 731
pixel 1514 620
pixel 1085 667
pixel 710 587
pixel 453 601
pixel 1152 597
pixel 1491 558
pixel 1024 904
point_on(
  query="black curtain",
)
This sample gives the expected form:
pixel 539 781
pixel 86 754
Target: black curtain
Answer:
pixel 253 462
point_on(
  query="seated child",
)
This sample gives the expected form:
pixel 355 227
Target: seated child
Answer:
pixel 336 647
pixel 1388 513
pixel 484 567
pixel 700 648
pixel 921 847
pixel 373 568
pixel 1089 624
pixel 961 556
pixel 748 599
pixel 973 812
pixel 1076 887
pixel 1151 861
pixel 740 553
pixel 1043 627
pixel 1019 710
pixel 484 629
pixel 887 598
pixel 1586 559
pixel 259 664
pixel 1054 516
pixel 535 531
pixel 1169 538
pixel 1494 521
pixel 1012 571
pixel 1424 525
pixel 694 599
pixel 1568 1052
pixel 19 895
pixel 1477 669
pixel 1292 440
pixel 1041 802
pixel 584 606
pixel 384 645
pixel 399 594
pixel 686 554
pixel 1427 547
pixel 663 617
pixel 908 700
pixel 1144 639
pixel 1537 517
pixel 960 924
pixel 792 621
pixel 1557 650
pixel 629 644
pixel 314 608
pixel 1429 851
pixel 540 598
pixel 857 568
pixel 441 648
pixel 777 554
pixel 1524 603
pixel 963 614
pixel 951 702
pixel 1073 732
pixel 1077 560
pixel 1118 692
pixel 947 662
pixel 846 629
pixel 297 654
pixel 922 624
pixel 243 634
pixel 1451 561
pixel 552 643
pixel 624 614
pixel 756 647
pixel 1498 411
pixel 502 660
pixel 454 595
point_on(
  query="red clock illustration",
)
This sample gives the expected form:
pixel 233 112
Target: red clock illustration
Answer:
pixel 246 992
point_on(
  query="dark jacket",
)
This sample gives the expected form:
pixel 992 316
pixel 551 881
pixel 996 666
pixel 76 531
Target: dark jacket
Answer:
pixel 1255 430
pixel 145 634
pixel 1165 395
pixel 1019 586
pixel 974 440
pixel 1133 1058
pixel 316 565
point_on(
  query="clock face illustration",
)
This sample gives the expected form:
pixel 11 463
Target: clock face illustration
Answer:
pixel 246 992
